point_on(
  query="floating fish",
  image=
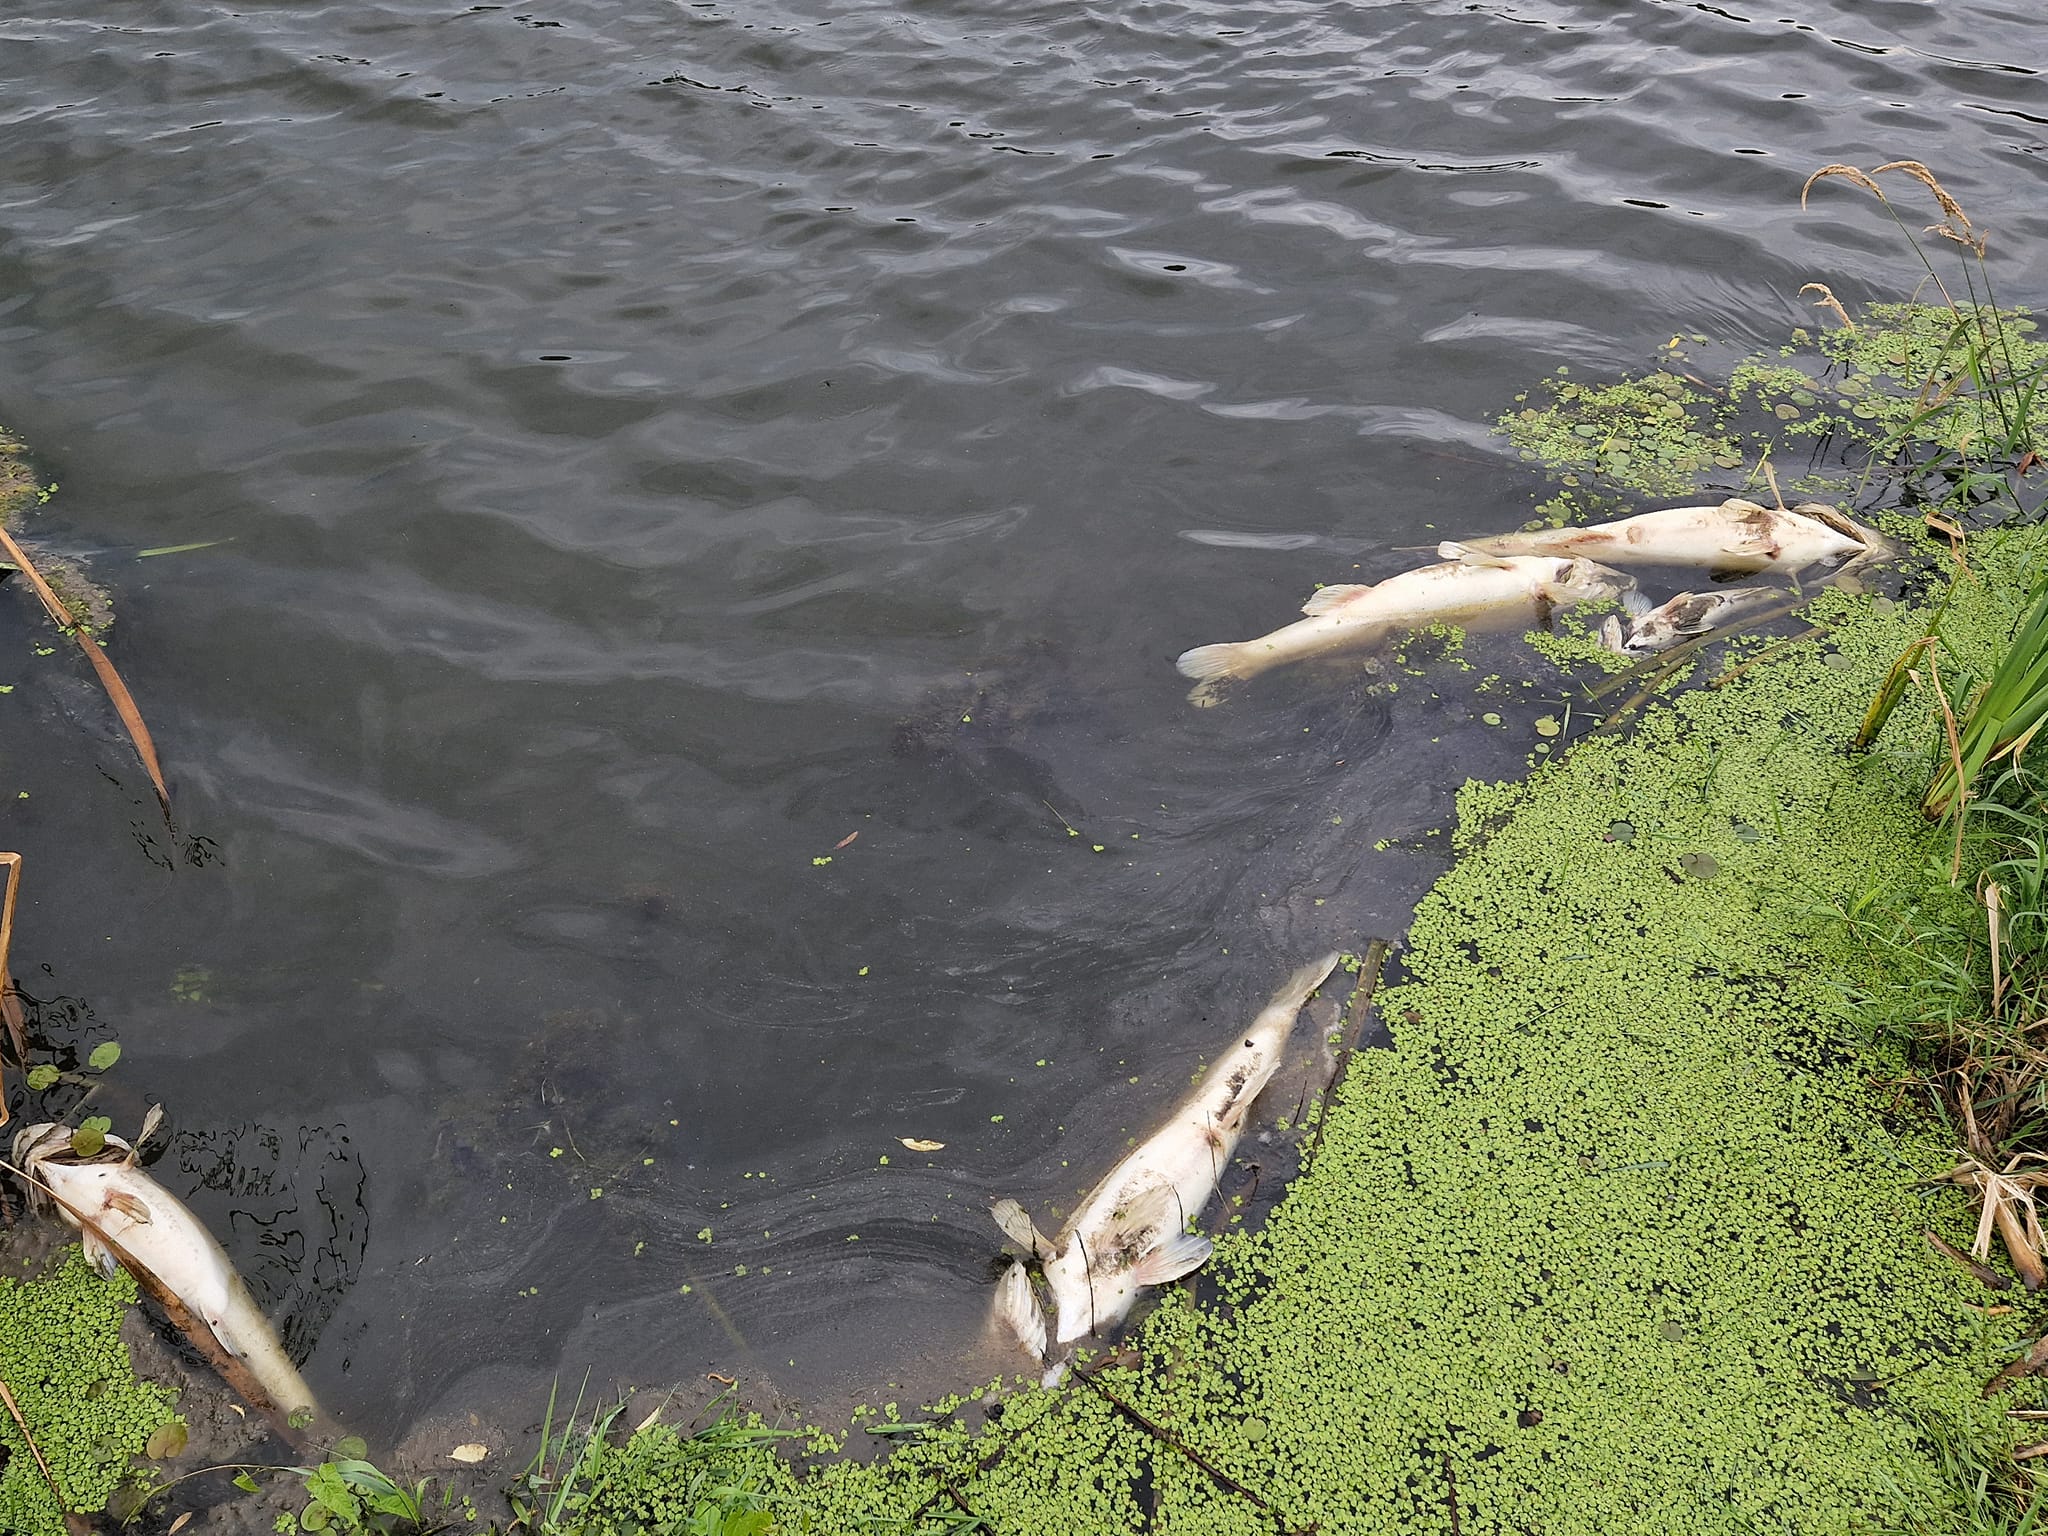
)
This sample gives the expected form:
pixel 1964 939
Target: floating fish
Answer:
pixel 1131 1231
pixel 1737 536
pixel 158 1233
pixel 1684 616
pixel 1469 587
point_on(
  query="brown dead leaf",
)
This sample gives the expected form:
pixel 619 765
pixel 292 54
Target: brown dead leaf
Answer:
pixel 844 841
pixel 917 1145
pixel 469 1454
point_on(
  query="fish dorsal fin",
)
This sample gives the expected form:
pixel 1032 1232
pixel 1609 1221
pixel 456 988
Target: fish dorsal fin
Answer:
pixel 1021 1230
pixel 1181 1254
pixel 1323 599
pixel 1017 1309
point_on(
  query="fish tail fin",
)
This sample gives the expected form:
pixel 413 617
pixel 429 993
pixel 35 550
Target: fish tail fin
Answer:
pixel 1017 1309
pixel 1210 663
pixel 1470 552
pixel 1020 1229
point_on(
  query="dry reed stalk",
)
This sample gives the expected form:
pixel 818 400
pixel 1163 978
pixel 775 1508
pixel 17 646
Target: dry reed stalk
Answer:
pixel 1369 966
pixel 117 691
pixel 10 1001
pixel 1990 1277
pixel 72 1521
pixel 2032 1361
pixel 1770 473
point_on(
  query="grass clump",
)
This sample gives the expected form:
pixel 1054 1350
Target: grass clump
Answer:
pixel 717 1480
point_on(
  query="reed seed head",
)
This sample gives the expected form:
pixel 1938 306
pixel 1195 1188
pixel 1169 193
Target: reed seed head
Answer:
pixel 1848 171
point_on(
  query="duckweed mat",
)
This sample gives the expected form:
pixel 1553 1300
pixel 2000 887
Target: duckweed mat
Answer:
pixel 1623 1234
pixel 62 1357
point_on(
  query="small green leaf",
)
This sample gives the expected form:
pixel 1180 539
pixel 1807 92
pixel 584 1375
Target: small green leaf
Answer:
pixel 104 1055
pixel 43 1078
pixel 351 1447
pixel 245 1482
pixel 169 1440
pixel 91 1137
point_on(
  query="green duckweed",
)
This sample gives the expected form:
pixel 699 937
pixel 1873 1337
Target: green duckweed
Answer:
pixel 61 1355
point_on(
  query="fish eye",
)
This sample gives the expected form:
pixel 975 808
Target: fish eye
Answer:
pixel 1249 1046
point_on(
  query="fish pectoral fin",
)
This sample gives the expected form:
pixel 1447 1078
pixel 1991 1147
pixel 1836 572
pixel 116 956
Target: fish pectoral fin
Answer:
pixel 1179 1255
pixel 1634 602
pixel 1760 547
pixel 99 1256
pixel 1021 1230
pixel 1611 635
pixel 1017 1309
pixel 1323 599
pixel 129 1206
pixel 218 1327
pixel 1155 1208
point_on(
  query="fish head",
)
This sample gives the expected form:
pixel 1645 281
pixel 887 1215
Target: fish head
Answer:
pixel 1651 633
pixel 1580 580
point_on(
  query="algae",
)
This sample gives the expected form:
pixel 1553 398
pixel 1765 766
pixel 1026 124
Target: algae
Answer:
pixel 1655 434
pixel 62 1356
pixel 1943 380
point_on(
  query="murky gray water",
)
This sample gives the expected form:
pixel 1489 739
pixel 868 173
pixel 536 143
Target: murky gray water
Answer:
pixel 652 443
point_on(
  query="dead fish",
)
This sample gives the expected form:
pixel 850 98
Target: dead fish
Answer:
pixel 1736 536
pixel 1131 1231
pixel 162 1235
pixel 1467 587
pixel 1684 616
